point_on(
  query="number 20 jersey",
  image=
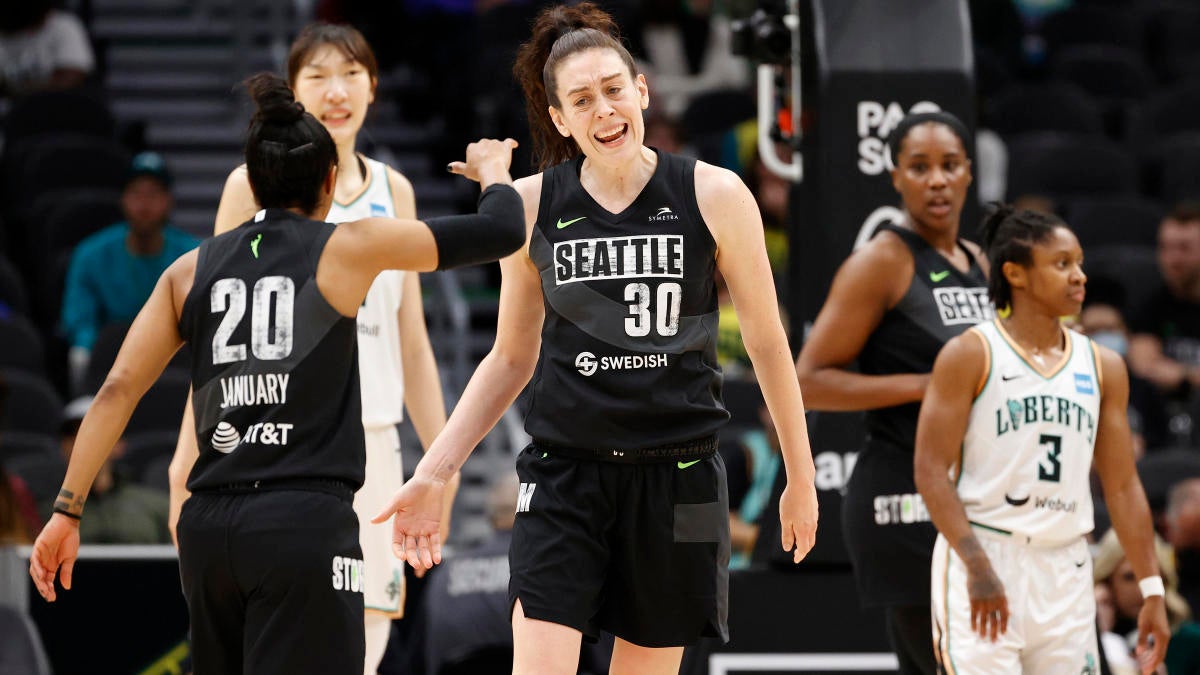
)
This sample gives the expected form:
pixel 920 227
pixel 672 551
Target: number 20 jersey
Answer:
pixel 628 357
pixel 1027 452
pixel 274 366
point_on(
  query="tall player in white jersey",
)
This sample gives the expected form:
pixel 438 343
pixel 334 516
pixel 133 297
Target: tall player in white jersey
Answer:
pixel 1017 412
pixel 333 72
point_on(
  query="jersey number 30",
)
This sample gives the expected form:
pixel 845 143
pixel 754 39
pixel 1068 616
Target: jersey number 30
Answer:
pixel 665 309
pixel 270 331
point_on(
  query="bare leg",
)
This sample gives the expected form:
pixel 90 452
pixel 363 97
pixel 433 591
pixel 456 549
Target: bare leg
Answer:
pixel 630 659
pixel 543 648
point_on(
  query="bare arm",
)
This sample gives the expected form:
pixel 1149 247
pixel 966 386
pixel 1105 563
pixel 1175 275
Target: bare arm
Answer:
pixel 237 202
pixel 869 282
pixel 422 385
pixel 731 213
pixel 941 428
pixel 1126 500
pixel 152 340
pixel 492 389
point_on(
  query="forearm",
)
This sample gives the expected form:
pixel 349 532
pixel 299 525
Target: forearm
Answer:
pixel 492 389
pixel 948 515
pixel 99 432
pixel 837 389
pixel 1130 515
pixel 423 398
pixel 772 366
pixel 495 231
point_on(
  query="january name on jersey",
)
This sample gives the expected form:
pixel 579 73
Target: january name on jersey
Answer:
pixel 1044 408
pixel 619 258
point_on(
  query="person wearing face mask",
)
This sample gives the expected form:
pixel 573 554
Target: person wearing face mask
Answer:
pixel 1103 321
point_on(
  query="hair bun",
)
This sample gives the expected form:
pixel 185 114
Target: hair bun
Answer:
pixel 274 99
pixel 996 214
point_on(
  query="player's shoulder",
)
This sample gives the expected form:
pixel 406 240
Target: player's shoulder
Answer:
pixel 717 181
pixel 884 257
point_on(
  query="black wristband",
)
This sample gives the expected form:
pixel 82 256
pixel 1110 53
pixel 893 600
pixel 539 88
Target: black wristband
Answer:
pixel 72 516
pixel 495 231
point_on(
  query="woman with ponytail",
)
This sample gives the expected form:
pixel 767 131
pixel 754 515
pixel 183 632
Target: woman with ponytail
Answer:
pixel 1017 413
pixel 269 551
pixel 622 521
pixel 332 71
pixel 893 304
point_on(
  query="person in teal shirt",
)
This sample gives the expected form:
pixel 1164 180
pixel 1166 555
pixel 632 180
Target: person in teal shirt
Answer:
pixel 113 271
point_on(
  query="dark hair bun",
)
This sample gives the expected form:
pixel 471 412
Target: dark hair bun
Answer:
pixel 274 99
pixel 996 214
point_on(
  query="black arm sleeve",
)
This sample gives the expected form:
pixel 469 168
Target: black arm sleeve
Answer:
pixel 495 231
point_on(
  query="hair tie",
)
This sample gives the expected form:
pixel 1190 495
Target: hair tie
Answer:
pixel 300 149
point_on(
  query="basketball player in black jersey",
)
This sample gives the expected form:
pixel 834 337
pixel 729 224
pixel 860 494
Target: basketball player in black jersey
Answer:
pixel 893 304
pixel 268 543
pixel 622 520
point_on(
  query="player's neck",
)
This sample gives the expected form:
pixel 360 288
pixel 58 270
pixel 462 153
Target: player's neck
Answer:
pixel 1035 331
pixel 942 241
pixel 351 175
pixel 618 182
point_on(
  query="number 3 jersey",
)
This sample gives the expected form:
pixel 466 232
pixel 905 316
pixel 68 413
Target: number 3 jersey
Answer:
pixel 1027 452
pixel 628 357
pixel 274 366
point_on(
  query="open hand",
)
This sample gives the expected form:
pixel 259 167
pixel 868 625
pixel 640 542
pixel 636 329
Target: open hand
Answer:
pixel 416 528
pixel 798 519
pixel 485 158
pixel 57 546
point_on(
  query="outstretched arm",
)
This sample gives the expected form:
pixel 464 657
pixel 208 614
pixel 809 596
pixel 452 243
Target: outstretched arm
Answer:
pixel 492 389
pixel 152 340
pixel 731 213
pixel 1126 501
pixel 941 427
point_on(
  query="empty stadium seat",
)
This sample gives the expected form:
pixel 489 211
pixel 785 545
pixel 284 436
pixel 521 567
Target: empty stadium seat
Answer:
pixel 1066 166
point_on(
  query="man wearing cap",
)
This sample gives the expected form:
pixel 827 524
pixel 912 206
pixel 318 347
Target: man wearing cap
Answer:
pixel 113 271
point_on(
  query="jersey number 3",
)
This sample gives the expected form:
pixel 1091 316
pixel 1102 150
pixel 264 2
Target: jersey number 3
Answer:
pixel 1050 468
pixel 270 331
pixel 665 309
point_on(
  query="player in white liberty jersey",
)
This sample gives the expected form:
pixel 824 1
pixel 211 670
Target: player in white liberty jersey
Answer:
pixel 333 73
pixel 1016 414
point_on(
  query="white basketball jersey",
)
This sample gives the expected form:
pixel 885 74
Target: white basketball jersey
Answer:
pixel 380 369
pixel 1027 453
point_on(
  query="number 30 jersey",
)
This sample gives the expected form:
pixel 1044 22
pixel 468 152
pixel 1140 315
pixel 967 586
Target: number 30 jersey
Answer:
pixel 628 357
pixel 1027 453
pixel 274 366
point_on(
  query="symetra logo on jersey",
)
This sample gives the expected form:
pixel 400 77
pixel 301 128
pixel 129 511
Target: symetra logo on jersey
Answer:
pixel 957 305
pixel 618 258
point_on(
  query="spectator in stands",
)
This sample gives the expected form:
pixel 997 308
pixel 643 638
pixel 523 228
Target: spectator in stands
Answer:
pixel 113 271
pixel 757 462
pixel 119 511
pixel 1165 347
pixel 1110 567
pixel 1182 529
pixel 1103 321
pixel 18 515
pixel 41 48
pixel 467 613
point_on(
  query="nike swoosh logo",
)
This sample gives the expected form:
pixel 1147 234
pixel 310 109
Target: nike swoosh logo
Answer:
pixel 684 465
pixel 561 224
pixel 1006 378
pixel 1081 563
pixel 1015 502
pixel 936 277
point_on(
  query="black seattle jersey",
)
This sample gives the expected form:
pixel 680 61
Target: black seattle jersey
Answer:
pixel 274 366
pixel 628 356
pixel 940 303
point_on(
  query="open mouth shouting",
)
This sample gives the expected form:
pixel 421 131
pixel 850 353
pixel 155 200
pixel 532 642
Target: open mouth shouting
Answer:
pixel 612 135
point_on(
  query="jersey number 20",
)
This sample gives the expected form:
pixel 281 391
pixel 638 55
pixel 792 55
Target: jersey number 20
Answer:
pixel 665 309
pixel 270 331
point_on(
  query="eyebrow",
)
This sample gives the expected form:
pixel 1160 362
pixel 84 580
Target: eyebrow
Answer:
pixel 585 87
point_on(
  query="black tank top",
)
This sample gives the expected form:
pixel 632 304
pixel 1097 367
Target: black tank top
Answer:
pixel 628 357
pixel 940 303
pixel 274 366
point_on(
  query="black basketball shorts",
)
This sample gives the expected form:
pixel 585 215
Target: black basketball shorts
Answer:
pixel 638 550
pixel 273 582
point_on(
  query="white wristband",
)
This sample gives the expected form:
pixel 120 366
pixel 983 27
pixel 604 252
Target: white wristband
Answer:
pixel 1152 586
